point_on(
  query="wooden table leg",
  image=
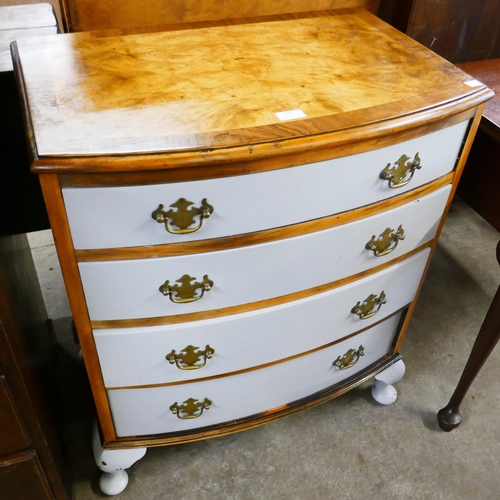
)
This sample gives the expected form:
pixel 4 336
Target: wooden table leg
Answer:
pixel 449 417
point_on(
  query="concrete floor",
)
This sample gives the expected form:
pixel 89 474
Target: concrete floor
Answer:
pixel 350 448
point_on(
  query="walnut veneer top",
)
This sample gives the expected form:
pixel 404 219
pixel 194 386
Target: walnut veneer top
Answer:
pixel 221 86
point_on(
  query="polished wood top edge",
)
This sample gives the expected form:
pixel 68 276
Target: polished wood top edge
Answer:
pixel 19 76
pixel 256 420
pixel 200 139
pixel 257 164
pixel 257 151
pixel 62 236
pixel 259 237
pixel 252 306
pixel 258 367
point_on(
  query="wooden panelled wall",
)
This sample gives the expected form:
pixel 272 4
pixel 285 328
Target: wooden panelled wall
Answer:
pixel 458 30
pixel 84 15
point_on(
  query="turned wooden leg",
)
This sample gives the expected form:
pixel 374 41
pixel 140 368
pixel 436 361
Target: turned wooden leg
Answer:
pixel 383 392
pixel 449 417
pixel 113 462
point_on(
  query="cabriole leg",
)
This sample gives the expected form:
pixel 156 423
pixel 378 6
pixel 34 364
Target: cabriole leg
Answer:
pixel 449 417
pixel 113 464
pixel 383 392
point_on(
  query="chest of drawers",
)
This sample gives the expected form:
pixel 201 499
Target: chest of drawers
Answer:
pixel 244 212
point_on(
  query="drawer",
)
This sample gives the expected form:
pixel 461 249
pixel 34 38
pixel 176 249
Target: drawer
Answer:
pixel 137 356
pixel 146 411
pixel 22 478
pixel 111 217
pixel 130 289
pixel 13 435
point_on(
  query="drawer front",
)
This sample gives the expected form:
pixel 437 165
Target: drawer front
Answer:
pixel 23 478
pixel 131 289
pixel 146 411
pixel 137 356
pixel 13 435
pixel 121 216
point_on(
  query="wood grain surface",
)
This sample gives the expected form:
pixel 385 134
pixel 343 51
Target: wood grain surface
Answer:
pixel 458 30
pixel 222 86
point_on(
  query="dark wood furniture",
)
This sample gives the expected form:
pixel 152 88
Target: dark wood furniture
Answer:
pixel 396 12
pixel 458 30
pixel 21 200
pixel 31 464
pixel 480 184
pixel 480 188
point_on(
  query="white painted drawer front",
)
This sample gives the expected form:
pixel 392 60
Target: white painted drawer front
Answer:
pixel 146 411
pixel 121 216
pixel 130 289
pixel 136 356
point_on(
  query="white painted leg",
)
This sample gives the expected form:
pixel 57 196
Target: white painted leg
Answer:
pixel 113 462
pixel 383 392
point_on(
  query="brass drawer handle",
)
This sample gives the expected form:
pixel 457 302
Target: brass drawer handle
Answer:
pixel 192 408
pixel 402 172
pixel 186 291
pixel 370 306
pixel 350 358
pixel 183 216
pixel 386 242
pixel 188 358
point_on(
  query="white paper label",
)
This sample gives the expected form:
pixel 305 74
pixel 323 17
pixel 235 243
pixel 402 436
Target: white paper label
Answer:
pixel 290 115
pixel 473 83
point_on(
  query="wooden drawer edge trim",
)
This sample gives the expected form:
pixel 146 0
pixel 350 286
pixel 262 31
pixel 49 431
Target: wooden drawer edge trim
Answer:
pixel 258 367
pixel 23 97
pixel 62 236
pixel 30 457
pixel 259 237
pixel 227 311
pixel 10 399
pixel 458 173
pixel 227 162
pixel 259 419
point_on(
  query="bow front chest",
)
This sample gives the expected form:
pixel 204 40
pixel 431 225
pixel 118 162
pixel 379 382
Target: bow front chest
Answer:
pixel 244 212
